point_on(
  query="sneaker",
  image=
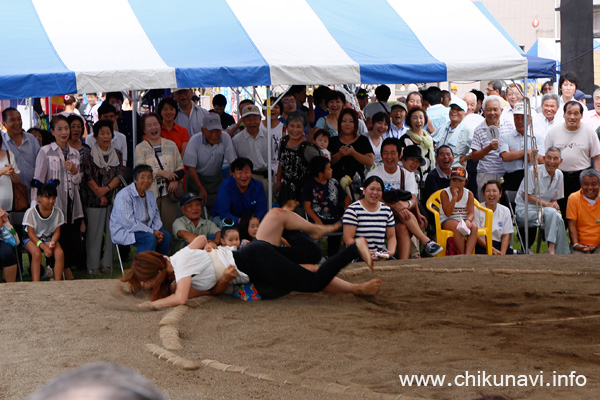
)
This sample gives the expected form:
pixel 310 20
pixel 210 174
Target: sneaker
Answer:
pixel 94 271
pixel 432 248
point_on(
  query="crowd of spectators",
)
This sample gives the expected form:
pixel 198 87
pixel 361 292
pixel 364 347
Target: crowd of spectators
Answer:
pixel 335 157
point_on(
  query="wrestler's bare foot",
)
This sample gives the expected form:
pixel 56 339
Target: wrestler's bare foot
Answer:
pixel 363 250
pixel 290 205
pixel 318 231
pixel 369 288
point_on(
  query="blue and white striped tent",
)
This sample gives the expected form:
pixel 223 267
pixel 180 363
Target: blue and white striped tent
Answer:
pixel 68 46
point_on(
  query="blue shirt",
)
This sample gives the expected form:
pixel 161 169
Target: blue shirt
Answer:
pixel 513 141
pixel 129 213
pixel 231 203
pixel 25 155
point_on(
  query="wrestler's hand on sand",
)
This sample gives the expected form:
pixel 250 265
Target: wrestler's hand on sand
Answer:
pixel 147 305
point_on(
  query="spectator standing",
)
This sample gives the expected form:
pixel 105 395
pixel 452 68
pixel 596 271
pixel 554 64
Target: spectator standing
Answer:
pixel 219 103
pixel 167 111
pixel 189 115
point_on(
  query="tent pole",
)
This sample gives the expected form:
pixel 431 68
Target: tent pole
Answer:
pixel 269 150
pixel 526 168
pixel 134 108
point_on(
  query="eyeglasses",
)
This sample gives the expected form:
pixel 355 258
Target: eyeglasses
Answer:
pixel 288 101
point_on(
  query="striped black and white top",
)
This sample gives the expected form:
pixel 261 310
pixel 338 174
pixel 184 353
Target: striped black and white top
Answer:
pixel 370 225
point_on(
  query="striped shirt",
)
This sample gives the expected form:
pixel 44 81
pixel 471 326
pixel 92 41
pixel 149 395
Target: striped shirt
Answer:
pixel 491 163
pixel 370 225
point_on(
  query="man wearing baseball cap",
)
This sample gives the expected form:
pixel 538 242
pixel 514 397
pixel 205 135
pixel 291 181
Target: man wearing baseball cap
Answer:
pixel 251 143
pixel 512 147
pixel 397 116
pixel 191 225
pixel 454 133
pixel 206 154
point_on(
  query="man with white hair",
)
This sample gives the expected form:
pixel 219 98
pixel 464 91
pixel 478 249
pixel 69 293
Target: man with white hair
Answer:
pixel 547 119
pixel 485 144
pixel 592 117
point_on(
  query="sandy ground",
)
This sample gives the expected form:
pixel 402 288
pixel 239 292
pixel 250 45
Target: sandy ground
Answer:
pixel 427 319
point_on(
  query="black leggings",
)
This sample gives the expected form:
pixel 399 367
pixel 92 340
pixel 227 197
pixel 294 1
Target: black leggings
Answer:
pixel 274 275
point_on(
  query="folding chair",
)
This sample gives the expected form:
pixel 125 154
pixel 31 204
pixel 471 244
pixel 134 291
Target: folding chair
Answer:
pixel 434 204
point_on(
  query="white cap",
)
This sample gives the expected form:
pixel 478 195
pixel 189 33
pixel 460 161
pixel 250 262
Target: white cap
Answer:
pixel 251 110
pixel 460 103
pixel 519 109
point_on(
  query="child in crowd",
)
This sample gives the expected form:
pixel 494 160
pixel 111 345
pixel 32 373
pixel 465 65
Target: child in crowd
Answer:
pixel 321 139
pixel 324 200
pixel 248 227
pixel 42 223
pixel 458 211
pixel 230 235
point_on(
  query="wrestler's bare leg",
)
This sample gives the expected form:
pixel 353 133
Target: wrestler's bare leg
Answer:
pixel 338 285
pixel 278 219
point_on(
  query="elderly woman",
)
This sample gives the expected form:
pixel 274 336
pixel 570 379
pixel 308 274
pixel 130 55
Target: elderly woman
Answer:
pixel 167 110
pixel 350 152
pixel 59 161
pixel 163 156
pixel 77 128
pixel 416 119
pixel 103 170
pixel 135 219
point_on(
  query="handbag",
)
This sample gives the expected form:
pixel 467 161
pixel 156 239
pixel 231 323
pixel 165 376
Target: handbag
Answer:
pixel 180 191
pixel 20 198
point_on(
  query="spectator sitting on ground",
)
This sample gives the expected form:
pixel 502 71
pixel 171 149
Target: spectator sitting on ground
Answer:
pixel 135 219
pixel 583 214
pixel 550 190
pixel 324 200
pixel 439 177
pixel 219 103
pixel 502 226
pixel 191 225
pixel 240 194
pixel 398 180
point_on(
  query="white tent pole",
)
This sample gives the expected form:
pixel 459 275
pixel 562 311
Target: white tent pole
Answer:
pixel 134 108
pixel 269 150
pixel 526 169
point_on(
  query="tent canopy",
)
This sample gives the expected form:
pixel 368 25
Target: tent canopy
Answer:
pixel 537 67
pixel 145 44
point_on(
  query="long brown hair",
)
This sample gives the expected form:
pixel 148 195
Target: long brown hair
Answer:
pixel 147 266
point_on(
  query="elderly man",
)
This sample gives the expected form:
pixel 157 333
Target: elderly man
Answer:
pixel 135 219
pixel 512 150
pixel 190 115
pixel 513 96
pixel 454 133
pixel 493 88
pixel 550 180
pixel 579 145
pixel 23 145
pixel 439 177
pixel 407 213
pixel 414 100
pixel 583 214
pixel 485 144
pixel 397 117
pixel 206 154
pixel 240 194
pixel 547 118
pixel 592 117
pixel 252 143
pixel 191 225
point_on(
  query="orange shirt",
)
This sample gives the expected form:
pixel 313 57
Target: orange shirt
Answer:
pixel 587 217
pixel 178 134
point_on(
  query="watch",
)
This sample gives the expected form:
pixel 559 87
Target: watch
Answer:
pixel 410 204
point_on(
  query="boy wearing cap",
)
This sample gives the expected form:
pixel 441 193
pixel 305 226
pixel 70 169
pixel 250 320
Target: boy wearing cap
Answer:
pixel 190 225
pixel 206 154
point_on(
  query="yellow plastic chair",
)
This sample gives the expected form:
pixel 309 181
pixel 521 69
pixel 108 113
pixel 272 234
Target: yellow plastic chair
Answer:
pixel 441 235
